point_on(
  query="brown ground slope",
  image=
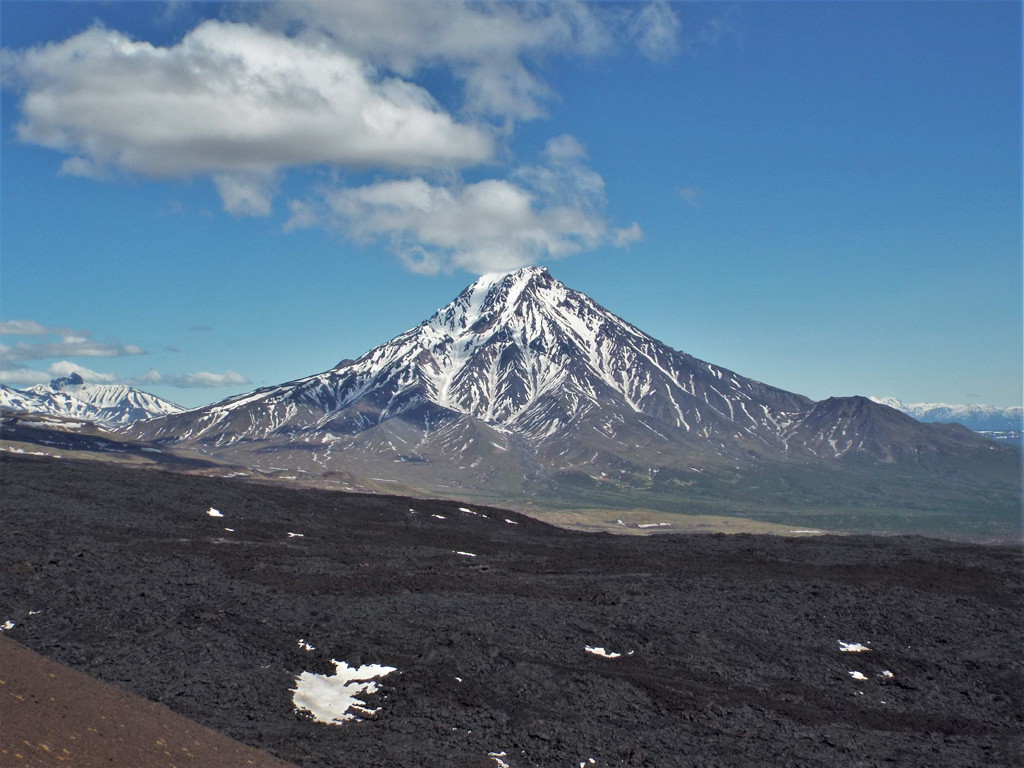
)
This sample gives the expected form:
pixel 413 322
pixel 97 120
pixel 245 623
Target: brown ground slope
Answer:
pixel 55 716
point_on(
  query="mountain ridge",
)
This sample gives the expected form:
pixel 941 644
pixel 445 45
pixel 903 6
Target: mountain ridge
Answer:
pixel 973 416
pixel 110 406
pixel 522 387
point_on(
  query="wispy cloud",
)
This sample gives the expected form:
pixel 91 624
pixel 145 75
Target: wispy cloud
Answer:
pixel 691 196
pixel 655 30
pixel 70 343
pixel 29 328
pixel 200 380
pixel 15 375
pixel 623 238
pixel 16 370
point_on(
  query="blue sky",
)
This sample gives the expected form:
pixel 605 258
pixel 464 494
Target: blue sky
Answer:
pixel 200 199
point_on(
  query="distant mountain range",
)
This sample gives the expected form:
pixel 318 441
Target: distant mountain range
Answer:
pixel 111 406
pixel 980 418
pixel 522 387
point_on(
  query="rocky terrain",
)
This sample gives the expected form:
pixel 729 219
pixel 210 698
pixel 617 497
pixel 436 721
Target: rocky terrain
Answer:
pixel 513 643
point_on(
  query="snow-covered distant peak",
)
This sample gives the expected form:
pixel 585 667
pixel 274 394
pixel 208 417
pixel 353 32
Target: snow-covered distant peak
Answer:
pixel 109 405
pixel 972 416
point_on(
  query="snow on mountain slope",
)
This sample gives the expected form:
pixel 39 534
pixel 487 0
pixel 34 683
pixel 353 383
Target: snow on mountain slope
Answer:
pixel 976 417
pixel 520 377
pixel 521 353
pixel 109 405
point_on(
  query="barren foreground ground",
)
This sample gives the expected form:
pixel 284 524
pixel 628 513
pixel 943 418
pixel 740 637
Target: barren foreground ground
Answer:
pixel 731 647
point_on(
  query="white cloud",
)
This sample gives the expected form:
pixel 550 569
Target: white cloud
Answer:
pixel 545 212
pixel 20 376
pixel 623 238
pixel 66 368
pixel 654 29
pixel 17 376
pixel 68 346
pixel 303 216
pixel 333 83
pixel 246 194
pixel 200 380
pixel 80 166
pixel 233 101
pixel 691 196
pixel 494 49
pixel 25 328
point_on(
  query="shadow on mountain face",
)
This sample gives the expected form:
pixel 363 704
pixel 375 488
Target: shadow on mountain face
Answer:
pixel 508 635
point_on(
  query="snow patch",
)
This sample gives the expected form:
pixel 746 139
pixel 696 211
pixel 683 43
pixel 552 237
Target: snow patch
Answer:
pixel 852 647
pixel 332 698
pixel 599 651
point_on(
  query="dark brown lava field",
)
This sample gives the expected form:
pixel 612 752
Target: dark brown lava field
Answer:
pixel 730 646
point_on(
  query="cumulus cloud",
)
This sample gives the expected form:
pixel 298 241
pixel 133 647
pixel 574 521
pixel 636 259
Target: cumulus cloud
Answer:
pixel 541 212
pixel 232 101
pixel 334 84
pixel 494 49
pixel 66 368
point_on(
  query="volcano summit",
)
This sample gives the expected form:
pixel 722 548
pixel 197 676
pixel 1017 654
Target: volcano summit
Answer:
pixel 522 387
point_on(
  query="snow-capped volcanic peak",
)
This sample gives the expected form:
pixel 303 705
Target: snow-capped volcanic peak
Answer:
pixel 512 343
pixel 110 405
pixel 519 377
pixel 507 340
pixel 519 353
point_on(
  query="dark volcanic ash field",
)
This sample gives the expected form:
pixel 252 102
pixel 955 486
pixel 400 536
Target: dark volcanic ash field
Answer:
pixel 731 646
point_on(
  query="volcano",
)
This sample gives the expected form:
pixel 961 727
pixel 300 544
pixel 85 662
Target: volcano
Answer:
pixel 522 386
